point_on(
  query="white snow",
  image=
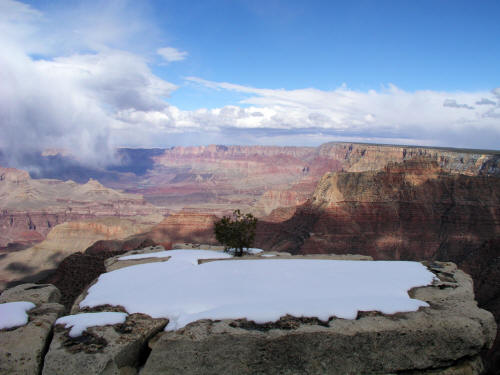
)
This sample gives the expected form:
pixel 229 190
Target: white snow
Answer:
pixel 259 290
pixel 80 322
pixel 268 255
pixel 13 314
pixel 191 256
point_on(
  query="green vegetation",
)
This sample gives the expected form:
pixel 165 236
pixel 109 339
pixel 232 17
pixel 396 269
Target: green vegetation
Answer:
pixel 236 232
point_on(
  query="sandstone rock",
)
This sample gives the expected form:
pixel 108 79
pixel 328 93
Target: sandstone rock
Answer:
pixel 30 208
pixel 115 262
pixel 409 211
pixel 437 338
pixel 102 350
pixel 34 263
pixel 22 349
pixel 467 366
pixel 78 270
pixel 186 226
pixel 36 293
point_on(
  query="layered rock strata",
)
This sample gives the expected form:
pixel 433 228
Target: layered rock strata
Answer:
pixel 411 211
pixel 261 178
pixel 30 208
pixel 34 263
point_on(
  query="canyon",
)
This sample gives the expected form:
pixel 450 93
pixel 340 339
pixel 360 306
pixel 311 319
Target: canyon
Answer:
pixel 30 208
pixel 388 202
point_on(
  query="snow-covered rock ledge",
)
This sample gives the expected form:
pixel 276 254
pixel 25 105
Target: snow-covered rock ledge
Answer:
pixel 444 338
pixel 442 331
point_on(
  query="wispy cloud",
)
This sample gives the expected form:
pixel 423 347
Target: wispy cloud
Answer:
pixel 485 101
pixel 170 54
pixel 452 103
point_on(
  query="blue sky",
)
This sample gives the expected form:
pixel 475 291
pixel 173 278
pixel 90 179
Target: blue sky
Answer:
pixel 416 45
pixel 93 75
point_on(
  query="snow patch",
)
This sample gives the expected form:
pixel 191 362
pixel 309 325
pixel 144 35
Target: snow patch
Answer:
pixel 13 314
pixel 259 290
pixel 80 322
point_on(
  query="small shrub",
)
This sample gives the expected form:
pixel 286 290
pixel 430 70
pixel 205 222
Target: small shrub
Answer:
pixel 236 232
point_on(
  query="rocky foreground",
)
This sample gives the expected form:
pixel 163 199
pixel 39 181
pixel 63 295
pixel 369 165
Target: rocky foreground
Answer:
pixel 445 338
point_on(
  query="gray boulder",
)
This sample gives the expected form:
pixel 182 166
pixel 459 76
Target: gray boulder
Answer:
pixel 103 350
pixel 22 348
pixel 36 293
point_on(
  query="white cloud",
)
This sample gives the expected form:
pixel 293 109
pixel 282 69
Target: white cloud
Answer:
pixel 88 102
pixel 389 113
pixel 69 101
pixel 171 54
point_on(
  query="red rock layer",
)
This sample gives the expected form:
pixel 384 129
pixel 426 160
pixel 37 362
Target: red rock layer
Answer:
pixel 185 226
pixel 262 178
pixel 29 208
pixel 411 211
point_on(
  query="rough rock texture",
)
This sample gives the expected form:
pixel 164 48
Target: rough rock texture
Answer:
pixel 360 157
pixel 412 210
pixel 78 270
pixel 261 178
pixel 30 208
pixel 118 349
pixel 185 226
pixel 22 349
pixel 32 264
pixel 449 333
pixel 36 293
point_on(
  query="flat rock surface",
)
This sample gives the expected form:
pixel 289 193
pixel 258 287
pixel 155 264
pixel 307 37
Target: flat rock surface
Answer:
pixel 436 338
pixel 36 293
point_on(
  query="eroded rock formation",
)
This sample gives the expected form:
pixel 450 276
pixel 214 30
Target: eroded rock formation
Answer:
pixel 261 178
pixel 412 210
pixel 36 262
pixel 30 208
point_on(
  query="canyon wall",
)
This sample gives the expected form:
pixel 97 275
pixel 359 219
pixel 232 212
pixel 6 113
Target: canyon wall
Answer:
pixel 30 208
pixel 261 178
pixel 414 210
pixel 34 263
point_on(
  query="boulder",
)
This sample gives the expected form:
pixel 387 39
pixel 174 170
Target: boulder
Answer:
pixel 38 294
pixel 445 338
pixel 22 348
pixel 117 349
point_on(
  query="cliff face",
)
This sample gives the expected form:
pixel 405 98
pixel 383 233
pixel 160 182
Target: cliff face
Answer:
pixel 262 178
pixel 365 157
pixel 30 208
pixel 184 226
pixel 222 178
pixel 65 239
pixel 411 210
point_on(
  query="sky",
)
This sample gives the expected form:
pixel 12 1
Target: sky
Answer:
pixel 90 76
